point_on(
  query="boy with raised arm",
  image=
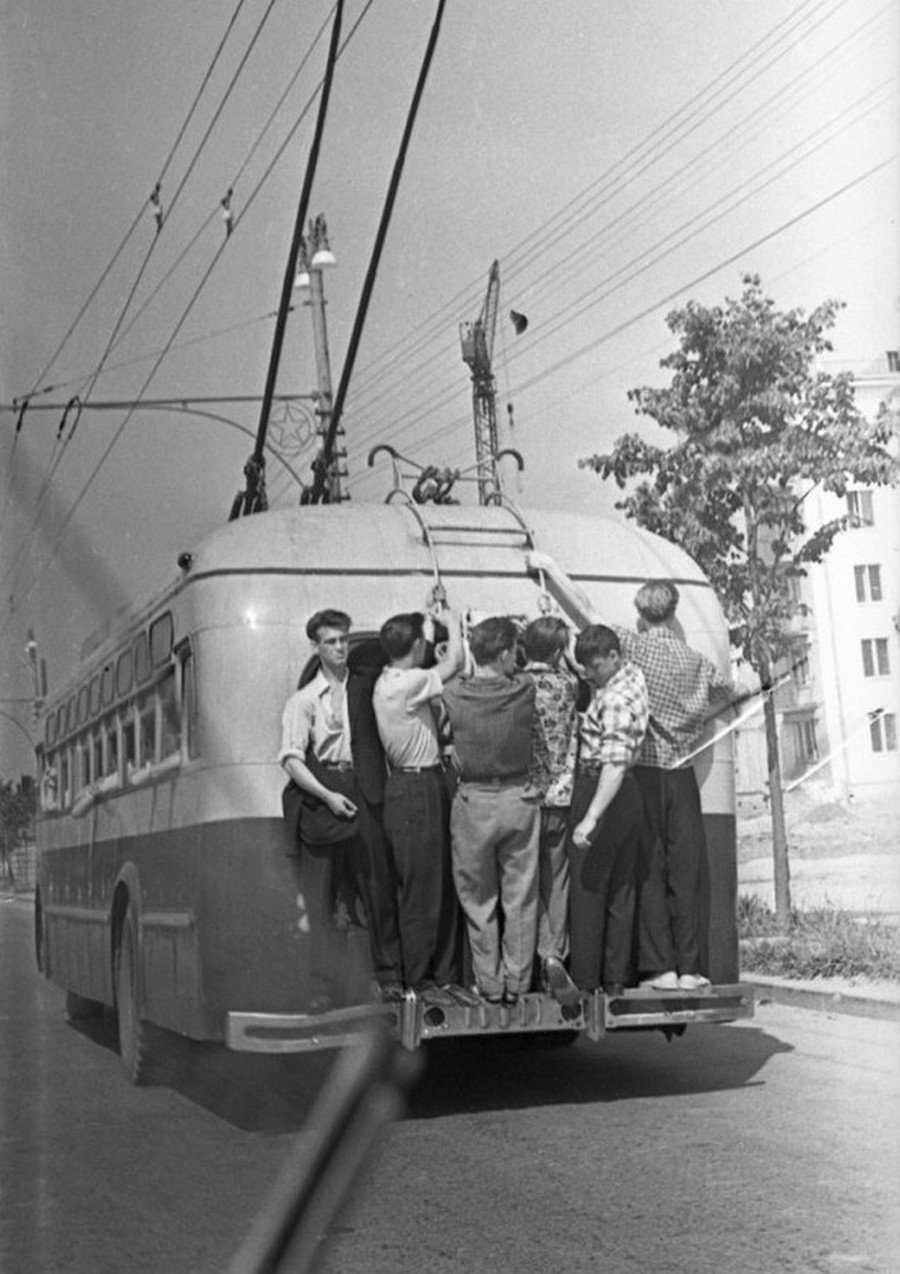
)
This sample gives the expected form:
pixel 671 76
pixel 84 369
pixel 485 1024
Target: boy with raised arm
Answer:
pixel 416 804
pixel 495 818
pixel 685 690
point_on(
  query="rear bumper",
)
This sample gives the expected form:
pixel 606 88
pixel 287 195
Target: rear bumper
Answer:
pixel 414 1019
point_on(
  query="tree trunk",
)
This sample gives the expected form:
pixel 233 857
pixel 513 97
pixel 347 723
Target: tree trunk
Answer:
pixel 781 866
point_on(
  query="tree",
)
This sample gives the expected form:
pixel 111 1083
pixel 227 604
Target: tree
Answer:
pixel 757 429
pixel 18 805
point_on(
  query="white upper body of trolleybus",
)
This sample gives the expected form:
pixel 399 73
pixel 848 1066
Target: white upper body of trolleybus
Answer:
pixel 164 887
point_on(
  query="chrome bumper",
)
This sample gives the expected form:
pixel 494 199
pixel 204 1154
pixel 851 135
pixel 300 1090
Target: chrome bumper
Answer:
pixel 415 1019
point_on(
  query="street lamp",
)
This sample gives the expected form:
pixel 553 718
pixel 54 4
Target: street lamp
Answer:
pixel 315 255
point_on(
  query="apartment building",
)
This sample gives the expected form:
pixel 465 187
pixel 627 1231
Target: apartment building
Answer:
pixel 838 693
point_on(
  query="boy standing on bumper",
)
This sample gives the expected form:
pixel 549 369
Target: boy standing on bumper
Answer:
pixel 415 799
pixel 495 818
pixel 546 641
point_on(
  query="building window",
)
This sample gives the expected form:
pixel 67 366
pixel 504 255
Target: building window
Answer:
pixel 875 657
pixel 883 731
pixel 859 507
pixel 800 668
pixel 806 748
pixel 868 583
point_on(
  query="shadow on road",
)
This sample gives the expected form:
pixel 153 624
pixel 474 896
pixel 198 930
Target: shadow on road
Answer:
pixel 255 1092
pixel 275 1094
pixel 498 1074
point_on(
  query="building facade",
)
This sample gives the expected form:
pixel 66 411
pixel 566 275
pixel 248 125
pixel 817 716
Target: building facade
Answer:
pixel 838 694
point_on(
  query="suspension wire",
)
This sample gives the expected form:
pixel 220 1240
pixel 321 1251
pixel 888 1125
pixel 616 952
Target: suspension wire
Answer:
pixel 169 344
pixel 318 489
pixel 541 233
pixel 253 498
pixel 140 214
pixel 43 492
pixel 145 358
pixel 369 397
pixel 368 400
pixel 644 207
pixel 444 430
pixel 233 182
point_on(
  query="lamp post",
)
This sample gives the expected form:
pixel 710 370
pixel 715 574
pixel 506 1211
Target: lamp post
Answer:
pixel 315 257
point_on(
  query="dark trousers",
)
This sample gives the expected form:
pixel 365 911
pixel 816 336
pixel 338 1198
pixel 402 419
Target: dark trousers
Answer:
pixel 602 885
pixel 417 825
pixel 364 864
pixel 670 871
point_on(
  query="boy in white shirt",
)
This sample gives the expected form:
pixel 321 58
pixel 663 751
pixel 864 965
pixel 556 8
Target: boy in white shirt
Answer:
pixel 416 815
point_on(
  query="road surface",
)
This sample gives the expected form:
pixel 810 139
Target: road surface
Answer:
pixel 766 1146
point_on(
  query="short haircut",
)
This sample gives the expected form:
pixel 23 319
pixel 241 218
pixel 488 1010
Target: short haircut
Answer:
pixel 489 639
pixel 596 642
pixel 656 600
pixel 546 637
pixel 400 633
pixel 327 619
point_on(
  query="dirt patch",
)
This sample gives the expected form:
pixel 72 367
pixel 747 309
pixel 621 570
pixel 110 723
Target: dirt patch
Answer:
pixel 818 826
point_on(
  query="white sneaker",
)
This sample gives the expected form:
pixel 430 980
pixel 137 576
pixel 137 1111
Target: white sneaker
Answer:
pixel 662 982
pixel 693 982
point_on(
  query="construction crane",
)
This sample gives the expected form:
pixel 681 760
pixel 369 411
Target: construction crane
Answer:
pixel 477 350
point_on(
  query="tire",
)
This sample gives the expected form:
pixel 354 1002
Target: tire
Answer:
pixel 40 937
pixel 80 1009
pixel 134 1034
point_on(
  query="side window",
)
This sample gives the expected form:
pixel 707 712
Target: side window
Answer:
pixel 84 760
pixel 50 782
pixel 65 778
pixel 190 721
pixel 129 740
pixel 170 732
pixel 147 730
pixel 110 730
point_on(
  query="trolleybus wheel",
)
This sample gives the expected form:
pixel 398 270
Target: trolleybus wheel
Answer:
pixel 80 1009
pixel 134 1034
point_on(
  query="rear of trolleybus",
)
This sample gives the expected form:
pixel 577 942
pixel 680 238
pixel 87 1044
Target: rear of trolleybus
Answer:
pixel 166 889
pixel 379 560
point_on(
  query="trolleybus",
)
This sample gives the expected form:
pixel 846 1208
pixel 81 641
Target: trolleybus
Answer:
pixel 165 892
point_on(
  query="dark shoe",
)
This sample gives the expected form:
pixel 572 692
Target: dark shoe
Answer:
pixel 559 984
pixel 510 998
pixel 613 989
pixel 392 992
pixel 459 995
pixel 488 997
pixel 433 994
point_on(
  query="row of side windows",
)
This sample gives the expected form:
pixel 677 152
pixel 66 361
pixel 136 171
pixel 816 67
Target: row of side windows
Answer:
pixel 153 731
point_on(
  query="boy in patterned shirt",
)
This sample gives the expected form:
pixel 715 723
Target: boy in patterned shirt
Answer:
pixel 545 643
pixel 606 814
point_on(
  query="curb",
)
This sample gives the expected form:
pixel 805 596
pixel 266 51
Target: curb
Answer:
pixel 852 1001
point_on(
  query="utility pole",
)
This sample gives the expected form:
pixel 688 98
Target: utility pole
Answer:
pixel 315 257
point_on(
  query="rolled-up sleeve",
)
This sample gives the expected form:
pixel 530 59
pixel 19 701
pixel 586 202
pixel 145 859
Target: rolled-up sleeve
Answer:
pixel 296 726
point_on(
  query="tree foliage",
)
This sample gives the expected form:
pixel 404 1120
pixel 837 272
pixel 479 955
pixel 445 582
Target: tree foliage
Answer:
pixel 756 430
pixel 18 805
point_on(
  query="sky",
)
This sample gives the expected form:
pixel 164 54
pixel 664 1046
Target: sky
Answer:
pixel 618 161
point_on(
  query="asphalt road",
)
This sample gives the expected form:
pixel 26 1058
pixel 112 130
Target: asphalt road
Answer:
pixel 766 1146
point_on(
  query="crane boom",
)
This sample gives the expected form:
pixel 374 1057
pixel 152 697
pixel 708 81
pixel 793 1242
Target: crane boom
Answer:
pixel 477 341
